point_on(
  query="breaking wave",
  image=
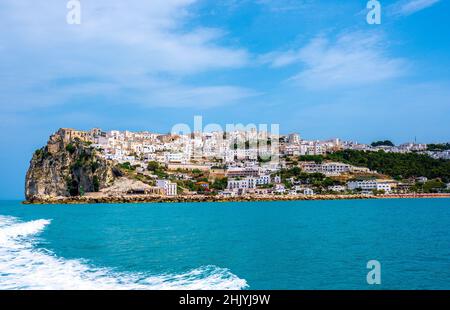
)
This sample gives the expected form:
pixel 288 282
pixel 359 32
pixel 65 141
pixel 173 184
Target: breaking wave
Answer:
pixel 23 266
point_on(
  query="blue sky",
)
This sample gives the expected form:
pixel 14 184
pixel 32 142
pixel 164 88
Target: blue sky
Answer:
pixel 314 67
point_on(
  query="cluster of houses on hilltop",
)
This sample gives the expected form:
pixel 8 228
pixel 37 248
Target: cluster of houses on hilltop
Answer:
pixel 245 167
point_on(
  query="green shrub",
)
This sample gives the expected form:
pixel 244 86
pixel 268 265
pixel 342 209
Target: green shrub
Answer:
pixel 94 166
pixel 81 190
pixel 96 183
pixel 70 148
pixel 72 187
pixel 127 166
pixel 153 166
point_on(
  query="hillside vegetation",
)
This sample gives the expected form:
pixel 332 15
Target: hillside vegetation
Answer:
pixel 396 165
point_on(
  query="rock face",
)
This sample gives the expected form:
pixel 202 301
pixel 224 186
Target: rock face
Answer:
pixel 67 167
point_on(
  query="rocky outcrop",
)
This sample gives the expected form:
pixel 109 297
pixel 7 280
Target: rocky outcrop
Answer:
pixel 115 199
pixel 67 167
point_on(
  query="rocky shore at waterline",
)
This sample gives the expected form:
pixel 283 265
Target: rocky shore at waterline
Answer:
pixel 93 199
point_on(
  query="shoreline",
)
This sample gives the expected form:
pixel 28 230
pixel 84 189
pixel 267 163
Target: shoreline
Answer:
pixel 203 198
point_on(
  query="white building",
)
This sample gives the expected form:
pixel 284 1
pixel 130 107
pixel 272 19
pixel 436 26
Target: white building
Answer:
pixel 408 147
pixel 294 138
pixel 312 148
pixel 360 170
pixel 170 188
pixel 331 168
pixel 280 188
pixel 246 183
pixel 175 157
pixel 292 150
pixel 263 180
pixel 277 179
pixel 308 191
pixel 242 172
pixel 369 185
pixel 337 188
pixel 249 182
pixel 422 179
pixel 227 193
pixel 302 190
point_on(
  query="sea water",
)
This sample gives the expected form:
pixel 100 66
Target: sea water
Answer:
pixel 241 245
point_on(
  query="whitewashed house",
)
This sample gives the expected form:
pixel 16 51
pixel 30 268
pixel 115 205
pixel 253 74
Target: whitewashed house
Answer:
pixel 170 188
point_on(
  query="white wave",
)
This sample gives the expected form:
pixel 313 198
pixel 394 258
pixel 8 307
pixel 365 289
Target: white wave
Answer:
pixel 23 266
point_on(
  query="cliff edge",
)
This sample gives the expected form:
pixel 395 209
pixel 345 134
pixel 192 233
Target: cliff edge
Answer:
pixel 67 166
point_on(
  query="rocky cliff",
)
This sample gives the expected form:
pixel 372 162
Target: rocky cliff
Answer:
pixel 67 167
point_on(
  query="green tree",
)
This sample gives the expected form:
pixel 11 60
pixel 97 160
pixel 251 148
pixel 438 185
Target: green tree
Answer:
pixel 318 159
pixel 382 143
pixel 81 190
pixel 438 147
pixel 220 184
pixel 433 186
pixel 153 166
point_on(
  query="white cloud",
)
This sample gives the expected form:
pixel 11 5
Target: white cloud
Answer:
pixel 153 31
pixel 408 7
pixel 144 92
pixel 351 59
pixel 146 42
pixel 200 97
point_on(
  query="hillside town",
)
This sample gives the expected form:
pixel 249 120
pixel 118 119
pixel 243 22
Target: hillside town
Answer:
pixel 239 163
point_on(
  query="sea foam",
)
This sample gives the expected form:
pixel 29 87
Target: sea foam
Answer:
pixel 24 266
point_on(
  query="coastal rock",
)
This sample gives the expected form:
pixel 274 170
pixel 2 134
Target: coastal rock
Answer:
pixel 67 167
pixel 118 199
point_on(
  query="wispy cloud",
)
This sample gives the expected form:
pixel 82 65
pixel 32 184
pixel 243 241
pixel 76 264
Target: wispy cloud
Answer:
pixel 351 59
pixel 408 7
pixel 285 6
pixel 146 42
pixel 200 97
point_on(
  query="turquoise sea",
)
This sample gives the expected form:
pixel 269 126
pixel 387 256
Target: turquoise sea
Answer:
pixel 260 245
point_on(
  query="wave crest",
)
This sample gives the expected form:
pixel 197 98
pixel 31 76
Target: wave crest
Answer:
pixel 22 266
